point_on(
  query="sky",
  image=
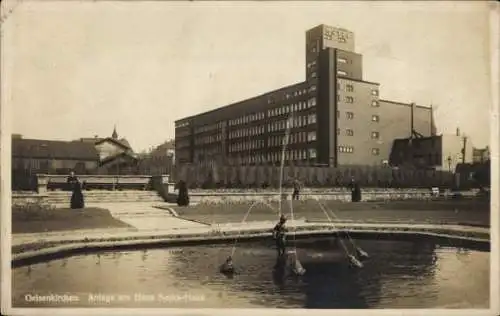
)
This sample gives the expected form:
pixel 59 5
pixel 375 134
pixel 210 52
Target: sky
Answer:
pixel 76 69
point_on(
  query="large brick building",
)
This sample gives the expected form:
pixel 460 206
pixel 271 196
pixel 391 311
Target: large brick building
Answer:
pixel 336 117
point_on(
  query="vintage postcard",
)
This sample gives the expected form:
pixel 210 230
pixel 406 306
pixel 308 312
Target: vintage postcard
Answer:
pixel 227 157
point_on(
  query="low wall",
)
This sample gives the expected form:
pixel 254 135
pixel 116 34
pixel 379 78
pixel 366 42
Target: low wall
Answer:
pixel 343 195
pixel 47 182
pixel 166 191
pixel 26 198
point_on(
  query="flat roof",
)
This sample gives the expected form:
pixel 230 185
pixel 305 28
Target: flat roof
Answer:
pixel 405 104
pixel 282 89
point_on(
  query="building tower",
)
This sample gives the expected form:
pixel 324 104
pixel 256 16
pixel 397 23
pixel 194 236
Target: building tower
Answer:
pixel 115 134
pixel 330 57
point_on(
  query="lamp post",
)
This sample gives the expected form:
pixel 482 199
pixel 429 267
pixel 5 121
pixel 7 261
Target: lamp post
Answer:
pixel 449 164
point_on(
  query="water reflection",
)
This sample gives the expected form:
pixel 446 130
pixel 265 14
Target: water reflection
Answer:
pixel 397 275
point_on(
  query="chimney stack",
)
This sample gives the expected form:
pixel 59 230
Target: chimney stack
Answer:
pixel 458 131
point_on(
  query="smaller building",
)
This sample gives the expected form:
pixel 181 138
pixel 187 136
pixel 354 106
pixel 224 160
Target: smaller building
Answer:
pixel 480 155
pixel 34 156
pixel 115 155
pixel 50 156
pixel 440 152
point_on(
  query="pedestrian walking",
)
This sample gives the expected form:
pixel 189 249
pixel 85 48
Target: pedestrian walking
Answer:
pixel 296 189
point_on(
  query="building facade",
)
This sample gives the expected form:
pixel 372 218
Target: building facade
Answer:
pixel 332 118
pixel 439 152
pixel 480 155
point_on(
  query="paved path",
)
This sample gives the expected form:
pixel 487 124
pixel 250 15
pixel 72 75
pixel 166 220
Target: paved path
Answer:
pixel 145 216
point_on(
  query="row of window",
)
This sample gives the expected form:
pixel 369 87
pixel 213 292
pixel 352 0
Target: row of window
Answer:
pixel 295 107
pixel 299 121
pixel 249 145
pixel 182 133
pixel 293 155
pixel 181 124
pixel 350 87
pixel 295 93
pixel 208 128
pixel 247 119
pixel 350 116
pixel 244 132
pixel 350 132
pixel 350 100
pixel 350 150
pixel 289 95
pixel 181 143
pixel 207 139
pixel 294 138
pixel 203 154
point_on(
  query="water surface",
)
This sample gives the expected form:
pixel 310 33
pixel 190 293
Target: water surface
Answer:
pixel 398 275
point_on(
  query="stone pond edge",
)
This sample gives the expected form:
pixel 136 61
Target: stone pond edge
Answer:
pixel 65 248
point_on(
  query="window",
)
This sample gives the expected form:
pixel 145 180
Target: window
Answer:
pixel 375 118
pixel 349 115
pixel 375 151
pixel 341 73
pixel 338 98
pixel 375 104
pixel 312 88
pixel 375 135
pixel 374 92
pixel 349 88
pixel 312 102
pixel 342 60
pixel 314 75
pixel 349 100
pixel 312 153
pixel 349 132
pixel 312 119
pixel 311 136
pixel 338 114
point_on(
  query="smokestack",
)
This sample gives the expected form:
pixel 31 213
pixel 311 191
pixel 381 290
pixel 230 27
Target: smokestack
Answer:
pixel 458 131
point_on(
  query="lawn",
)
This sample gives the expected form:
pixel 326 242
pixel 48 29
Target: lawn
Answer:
pixel 467 211
pixel 35 219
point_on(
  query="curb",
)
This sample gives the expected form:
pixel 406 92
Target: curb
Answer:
pixel 65 249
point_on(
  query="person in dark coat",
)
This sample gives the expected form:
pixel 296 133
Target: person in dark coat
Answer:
pixel 77 201
pixel 183 196
pixel 355 191
pixel 296 189
pixel 279 235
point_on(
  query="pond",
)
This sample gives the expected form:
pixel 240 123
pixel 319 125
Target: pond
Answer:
pixel 398 274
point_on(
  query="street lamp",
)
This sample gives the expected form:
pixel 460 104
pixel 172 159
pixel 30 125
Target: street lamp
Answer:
pixel 449 164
